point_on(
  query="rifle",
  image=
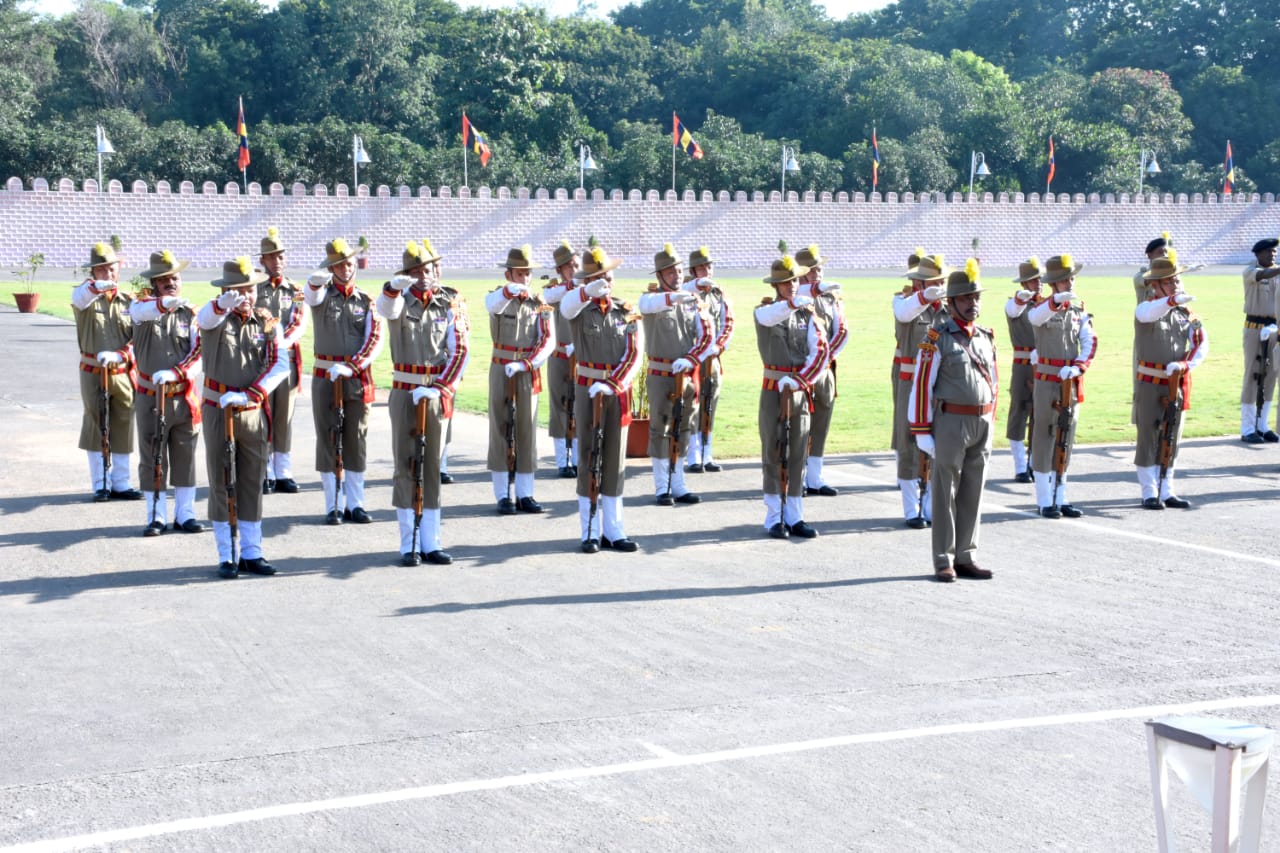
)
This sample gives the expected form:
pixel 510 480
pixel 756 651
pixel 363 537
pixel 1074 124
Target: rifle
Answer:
pixel 1260 377
pixel 104 425
pixel 784 443
pixel 597 458
pixel 510 431
pixel 677 415
pixel 571 380
pixel 340 422
pixel 157 456
pixel 419 466
pixel 1062 439
pixel 922 482
pixel 229 475
pixel 1170 420
pixel 708 407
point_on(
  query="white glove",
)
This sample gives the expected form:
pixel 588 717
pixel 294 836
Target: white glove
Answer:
pixel 1063 297
pixel 934 292
pixel 231 300
pixel 1183 298
pixel 164 377
pixel 924 441
pixel 340 370
pixel 598 288
pixel 788 383
pixel 678 296
pixel 713 351
pixel 801 301
pixel 598 388
pixel 108 357
pixel 320 278
pixel 513 290
pixel 425 393
pixel 1266 333
pixel 691 285
pixel 233 398
pixel 1175 367
pixel 828 286
pixel 104 284
pixel 514 367
pixel 401 282
pixel 172 303
pixel 1070 371
pixel 681 365
pixel 568 349
pixel 1024 295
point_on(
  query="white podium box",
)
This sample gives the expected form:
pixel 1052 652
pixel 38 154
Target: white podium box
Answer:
pixel 1218 760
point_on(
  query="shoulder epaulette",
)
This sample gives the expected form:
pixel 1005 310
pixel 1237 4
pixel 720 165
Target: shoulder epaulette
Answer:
pixel 629 307
pixel 768 300
pixel 653 287
pixel 930 342
pixel 906 290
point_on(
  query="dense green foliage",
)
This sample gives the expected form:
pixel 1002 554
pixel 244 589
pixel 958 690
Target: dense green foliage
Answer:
pixel 937 78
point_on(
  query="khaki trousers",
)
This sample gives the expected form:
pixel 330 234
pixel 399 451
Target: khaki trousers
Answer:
pixel 526 421
pixel 560 389
pixel 251 462
pixel 355 425
pixel 824 403
pixel 963 445
pixel 1046 437
pixel 771 435
pixel 404 447
pixel 661 407
pixel 1020 402
pixel 613 460
pixel 120 406
pixel 178 457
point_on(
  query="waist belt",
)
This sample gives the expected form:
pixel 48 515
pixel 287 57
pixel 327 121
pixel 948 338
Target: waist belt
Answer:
pixel 409 376
pixel 957 409
pixel 1257 321
pixel 561 351
pixel 589 370
pixel 662 366
pixel 213 392
pixel 1022 355
pixel 1151 371
pixel 321 364
pixel 171 389
pixel 89 364
pixel 517 354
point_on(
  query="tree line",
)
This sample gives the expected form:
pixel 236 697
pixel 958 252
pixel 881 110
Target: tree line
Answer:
pixel 936 79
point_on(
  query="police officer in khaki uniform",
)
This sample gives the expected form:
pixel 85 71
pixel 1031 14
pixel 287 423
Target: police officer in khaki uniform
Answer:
pixel 793 347
pixel 520 325
pixel 608 342
pixel 1261 364
pixel 428 350
pixel 1065 347
pixel 348 337
pixel 560 367
pixel 1169 343
pixel 105 335
pixel 718 308
pixel 677 339
pixel 916 309
pixel 279 295
pixel 435 277
pixel 166 343
pixel 829 308
pixel 1021 381
pixel 952 406
pixel 244 361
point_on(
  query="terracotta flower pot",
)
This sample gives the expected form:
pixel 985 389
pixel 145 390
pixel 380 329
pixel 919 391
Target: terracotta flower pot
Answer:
pixel 638 438
pixel 362 262
pixel 27 302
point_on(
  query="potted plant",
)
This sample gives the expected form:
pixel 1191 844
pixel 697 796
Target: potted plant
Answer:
pixel 28 299
pixel 638 431
pixel 362 259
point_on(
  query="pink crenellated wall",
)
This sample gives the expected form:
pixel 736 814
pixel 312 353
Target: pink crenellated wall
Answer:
pixel 474 228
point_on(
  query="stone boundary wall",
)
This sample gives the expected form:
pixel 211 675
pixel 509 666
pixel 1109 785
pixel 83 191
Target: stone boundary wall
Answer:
pixel 474 228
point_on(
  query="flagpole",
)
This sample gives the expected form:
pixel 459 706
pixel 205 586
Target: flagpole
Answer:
pixel 673 151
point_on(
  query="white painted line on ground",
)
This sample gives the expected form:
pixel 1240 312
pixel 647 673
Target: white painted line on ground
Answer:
pixel 660 751
pixel 1100 528
pixel 117 836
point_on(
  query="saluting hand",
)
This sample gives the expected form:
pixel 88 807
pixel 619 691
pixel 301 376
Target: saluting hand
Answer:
pixel 934 292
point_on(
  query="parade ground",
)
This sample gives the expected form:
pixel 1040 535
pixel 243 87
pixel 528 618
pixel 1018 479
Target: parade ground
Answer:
pixel 718 690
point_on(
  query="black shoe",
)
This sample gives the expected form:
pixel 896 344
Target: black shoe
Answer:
pixel 333 518
pixel 1253 438
pixel 189 526
pixel 101 496
pixel 506 507
pixel 268 486
pixel 257 566
pixel 438 557
pixel 624 544
pixel 917 523
pixel 528 504
pixel 358 515
pixel 228 570
pixel 1174 502
pixel 665 499
pixel 445 478
pixel 824 491
pixel 1052 511
pixel 713 468
pixel 1024 477
pixel 1152 503
pixel 126 495
pixel 779 531
pixel 155 528
pixel 688 498
pixel 590 546
pixel 566 472
pixel 1270 436
pixel 1069 511
pixel 410 559
pixel 573 470
pixel 803 530
pixel 288 486
pixel 695 468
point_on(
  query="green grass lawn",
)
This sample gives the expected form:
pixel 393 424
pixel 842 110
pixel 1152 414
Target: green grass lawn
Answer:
pixel 863 411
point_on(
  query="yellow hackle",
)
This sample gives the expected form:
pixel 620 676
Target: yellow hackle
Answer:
pixel 273 232
pixel 1033 262
pixel 971 269
pixel 243 264
pixel 340 246
pixel 1067 262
